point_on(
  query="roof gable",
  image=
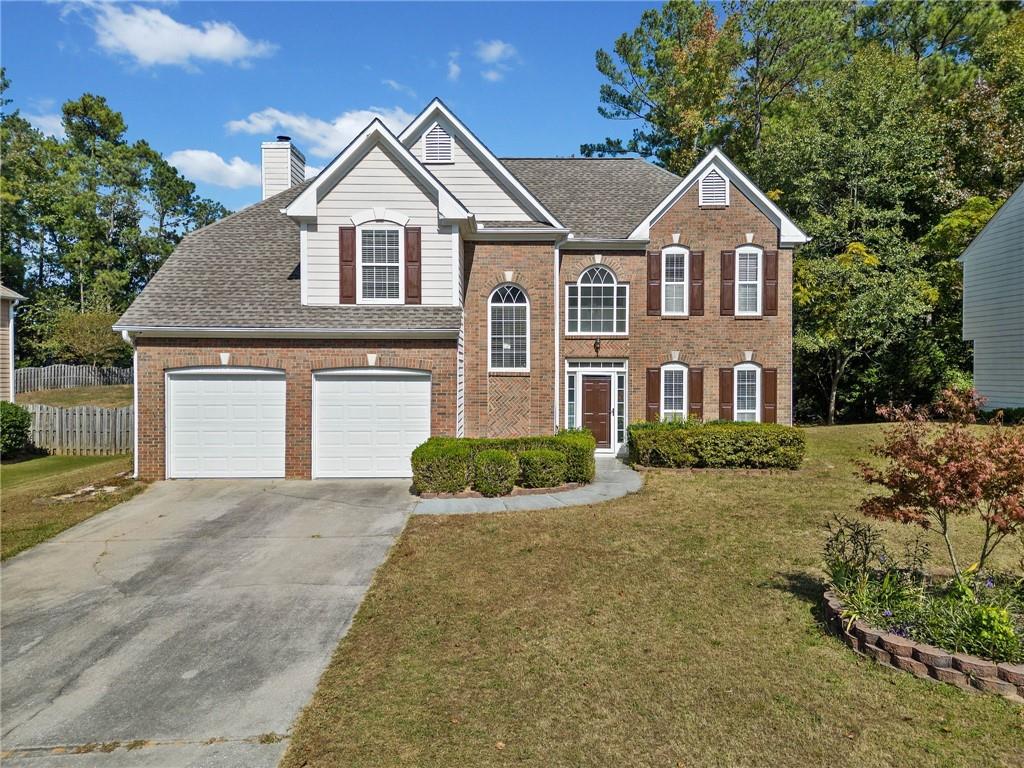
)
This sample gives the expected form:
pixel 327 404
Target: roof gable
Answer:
pixel 437 112
pixel 1014 205
pixel 789 233
pixel 375 134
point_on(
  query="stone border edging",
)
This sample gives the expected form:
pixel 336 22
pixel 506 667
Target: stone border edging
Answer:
pixel 926 661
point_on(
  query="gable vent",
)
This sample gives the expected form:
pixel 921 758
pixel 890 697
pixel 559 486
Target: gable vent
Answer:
pixel 437 146
pixel 714 189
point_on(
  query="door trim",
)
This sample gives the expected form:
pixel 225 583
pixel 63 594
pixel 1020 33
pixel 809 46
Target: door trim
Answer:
pixel 609 388
pixel 612 368
pixel 365 371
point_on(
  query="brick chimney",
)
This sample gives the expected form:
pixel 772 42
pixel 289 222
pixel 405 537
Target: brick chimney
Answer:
pixel 283 166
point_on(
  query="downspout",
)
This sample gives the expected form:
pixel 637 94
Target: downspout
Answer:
pixel 557 326
pixel 135 403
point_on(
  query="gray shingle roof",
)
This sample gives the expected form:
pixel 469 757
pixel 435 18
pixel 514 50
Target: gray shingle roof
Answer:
pixel 595 197
pixel 243 272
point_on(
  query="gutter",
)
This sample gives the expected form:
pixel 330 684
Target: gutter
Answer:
pixel 181 331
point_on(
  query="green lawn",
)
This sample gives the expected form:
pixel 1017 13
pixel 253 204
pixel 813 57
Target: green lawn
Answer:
pixel 113 396
pixel 675 627
pixel 31 514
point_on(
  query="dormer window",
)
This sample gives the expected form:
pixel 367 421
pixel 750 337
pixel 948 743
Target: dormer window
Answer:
pixel 437 146
pixel 714 189
pixel 379 262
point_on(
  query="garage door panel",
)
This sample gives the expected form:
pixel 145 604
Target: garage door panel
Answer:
pixel 226 425
pixel 368 424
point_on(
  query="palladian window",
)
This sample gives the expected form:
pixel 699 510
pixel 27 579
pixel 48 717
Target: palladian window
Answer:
pixel 597 304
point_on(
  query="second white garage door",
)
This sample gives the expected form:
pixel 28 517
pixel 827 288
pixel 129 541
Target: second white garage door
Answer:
pixel 367 423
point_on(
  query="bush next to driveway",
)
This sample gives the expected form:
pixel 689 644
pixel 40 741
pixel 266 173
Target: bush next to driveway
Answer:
pixel 446 464
pixel 720 444
pixel 15 423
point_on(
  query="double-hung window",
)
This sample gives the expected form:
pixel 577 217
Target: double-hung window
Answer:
pixel 747 393
pixel 674 289
pixel 379 260
pixel 673 392
pixel 597 304
pixel 509 329
pixel 749 268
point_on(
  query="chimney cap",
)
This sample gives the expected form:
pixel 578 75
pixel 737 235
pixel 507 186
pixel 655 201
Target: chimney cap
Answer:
pixel 284 138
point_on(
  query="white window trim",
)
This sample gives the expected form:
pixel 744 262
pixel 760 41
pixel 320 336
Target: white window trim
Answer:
pixel 594 334
pixel 360 299
pixel 490 300
pixel 665 252
pixel 451 146
pixel 736 390
pixel 760 281
pixel 700 186
pixel 686 385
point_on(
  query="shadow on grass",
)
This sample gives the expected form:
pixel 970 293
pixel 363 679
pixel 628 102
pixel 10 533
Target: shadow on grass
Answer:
pixel 803 585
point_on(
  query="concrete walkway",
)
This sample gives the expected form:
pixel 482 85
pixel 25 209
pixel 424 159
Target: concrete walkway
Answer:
pixel 613 479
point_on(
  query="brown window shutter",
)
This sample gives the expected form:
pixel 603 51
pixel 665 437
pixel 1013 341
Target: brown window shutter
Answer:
pixel 769 395
pixel 654 394
pixel 725 394
pixel 413 266
pixel 771 282
pixel 697 282
pixel 653 283
pixel 695 390
pixel 347 264
pixel 728 282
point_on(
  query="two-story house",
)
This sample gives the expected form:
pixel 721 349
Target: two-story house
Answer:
pixel 419 285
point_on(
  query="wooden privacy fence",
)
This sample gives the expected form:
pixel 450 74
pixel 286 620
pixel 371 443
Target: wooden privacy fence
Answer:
pixel 83 430
pixel 64 376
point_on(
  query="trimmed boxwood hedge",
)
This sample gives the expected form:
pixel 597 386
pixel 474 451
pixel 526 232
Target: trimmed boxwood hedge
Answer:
pixel 541 468
pixel 495 472
pixel 716 444
pixel 447 464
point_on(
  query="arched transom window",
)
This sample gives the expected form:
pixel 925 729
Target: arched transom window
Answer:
pixel 509 329
pixel 597 304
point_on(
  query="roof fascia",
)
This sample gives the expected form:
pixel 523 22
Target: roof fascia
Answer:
pixel 789 233
pixel 304 206
pixel 428 117
pixel 150 331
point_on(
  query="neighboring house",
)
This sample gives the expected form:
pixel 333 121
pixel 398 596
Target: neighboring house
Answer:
pixel 994 305
pixel 421 286
pixel 8 301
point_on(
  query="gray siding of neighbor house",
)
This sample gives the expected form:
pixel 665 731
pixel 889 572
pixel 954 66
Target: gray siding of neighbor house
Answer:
pixel 994 305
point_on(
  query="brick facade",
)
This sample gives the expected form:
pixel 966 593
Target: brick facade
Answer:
pixel 507 404
pixel 298 358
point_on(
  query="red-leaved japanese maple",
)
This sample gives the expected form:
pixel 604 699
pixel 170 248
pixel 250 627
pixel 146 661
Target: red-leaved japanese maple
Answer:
pixel 936 472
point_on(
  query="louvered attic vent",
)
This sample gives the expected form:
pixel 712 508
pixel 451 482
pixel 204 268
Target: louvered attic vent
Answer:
pixel 714 189
pixel 437 146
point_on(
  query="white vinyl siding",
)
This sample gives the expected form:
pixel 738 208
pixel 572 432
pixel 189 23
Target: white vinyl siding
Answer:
pixel 378 182
pixel 994 307
pixel 475 187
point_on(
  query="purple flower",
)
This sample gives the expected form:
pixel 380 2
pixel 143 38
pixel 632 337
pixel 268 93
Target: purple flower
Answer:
pixel 989 583
pixel 887 613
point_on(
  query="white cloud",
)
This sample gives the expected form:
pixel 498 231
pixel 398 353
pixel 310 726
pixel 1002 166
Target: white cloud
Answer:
pixel 151 37
pixel 312 170
pixel 51 124
pixel 323 138
pixel 492 75
pixel 495 51
pixel 203 165
pixel 397 86
pixel 454 70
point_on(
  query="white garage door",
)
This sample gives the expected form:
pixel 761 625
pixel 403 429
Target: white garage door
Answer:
pixel 225 424
pixel 366 424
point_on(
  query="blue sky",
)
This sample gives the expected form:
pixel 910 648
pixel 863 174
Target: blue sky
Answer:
pixel 204 83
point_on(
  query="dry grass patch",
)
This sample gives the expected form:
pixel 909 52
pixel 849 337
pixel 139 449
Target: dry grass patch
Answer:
pixel 674 627
pixel 110 396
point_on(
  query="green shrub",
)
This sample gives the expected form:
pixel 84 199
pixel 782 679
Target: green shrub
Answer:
pixel 495 472
pixel 541 468
pixel 15 423
pixel 441 465
pixel 716 444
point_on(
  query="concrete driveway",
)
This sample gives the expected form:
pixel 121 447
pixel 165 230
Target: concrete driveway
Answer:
pixel 191 623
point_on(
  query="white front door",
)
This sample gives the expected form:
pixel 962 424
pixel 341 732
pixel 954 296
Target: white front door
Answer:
pixel 225 424
pixel 367 422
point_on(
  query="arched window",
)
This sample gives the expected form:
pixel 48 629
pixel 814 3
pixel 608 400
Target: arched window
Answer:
pixel 675 298
pixel 749 272
pixel 673 392
pixel 379 259
pixel 746 392
pixel 508 329
pixel 597 304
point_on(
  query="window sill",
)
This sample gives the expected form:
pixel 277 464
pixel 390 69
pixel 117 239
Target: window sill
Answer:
pixel 749 317
pixel 674 317
pixel 506 372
